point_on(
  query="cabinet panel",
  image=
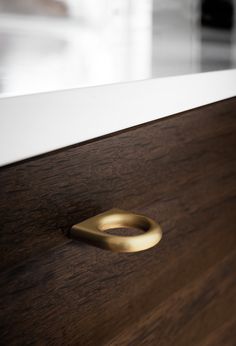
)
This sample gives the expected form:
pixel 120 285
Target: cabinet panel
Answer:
pixel 180 171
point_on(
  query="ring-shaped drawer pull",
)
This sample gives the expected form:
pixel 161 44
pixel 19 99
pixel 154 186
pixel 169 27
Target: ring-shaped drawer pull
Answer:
pixel 93 230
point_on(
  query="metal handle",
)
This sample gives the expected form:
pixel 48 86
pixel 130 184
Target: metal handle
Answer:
pixel 93 230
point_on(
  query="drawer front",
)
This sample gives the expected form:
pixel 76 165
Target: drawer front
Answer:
pixel 179 171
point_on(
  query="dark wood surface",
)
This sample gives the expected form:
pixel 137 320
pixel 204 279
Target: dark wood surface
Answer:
pixel 181 171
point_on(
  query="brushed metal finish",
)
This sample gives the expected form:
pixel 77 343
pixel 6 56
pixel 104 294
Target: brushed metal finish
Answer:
pixel 93 231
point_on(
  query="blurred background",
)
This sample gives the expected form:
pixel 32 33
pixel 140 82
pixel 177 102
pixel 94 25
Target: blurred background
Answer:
pixel 57 44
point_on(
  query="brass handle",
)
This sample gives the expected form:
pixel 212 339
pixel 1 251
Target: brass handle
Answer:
pixel 93 230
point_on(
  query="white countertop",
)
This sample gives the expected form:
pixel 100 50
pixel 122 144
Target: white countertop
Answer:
pixel 35 124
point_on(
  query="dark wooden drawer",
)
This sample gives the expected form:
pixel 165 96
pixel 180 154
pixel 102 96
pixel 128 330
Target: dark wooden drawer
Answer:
pixel 180 171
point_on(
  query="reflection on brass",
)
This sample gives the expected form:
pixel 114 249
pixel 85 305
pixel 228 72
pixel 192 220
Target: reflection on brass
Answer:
pixel 93 230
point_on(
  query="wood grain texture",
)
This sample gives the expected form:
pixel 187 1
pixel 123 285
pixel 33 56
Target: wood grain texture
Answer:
pixel 180 171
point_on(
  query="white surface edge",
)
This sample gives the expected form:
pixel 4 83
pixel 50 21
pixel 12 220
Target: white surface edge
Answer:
pixel 35 124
